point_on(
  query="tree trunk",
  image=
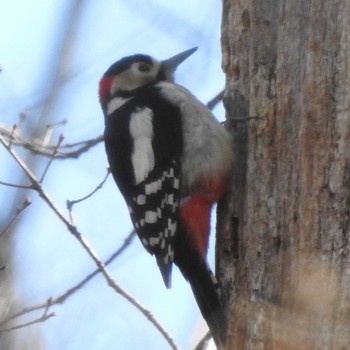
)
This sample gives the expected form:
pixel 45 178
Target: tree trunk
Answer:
pixel 283 246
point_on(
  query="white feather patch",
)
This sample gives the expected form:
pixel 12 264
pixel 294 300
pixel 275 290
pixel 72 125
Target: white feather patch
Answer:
pixel 141 130
pixel 153 187
pixel 151 217
pixel 116 103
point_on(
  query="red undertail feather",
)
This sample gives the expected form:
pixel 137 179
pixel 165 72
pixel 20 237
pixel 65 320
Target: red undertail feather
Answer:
pixel 214 189
pixel 195 216
pixel 195 212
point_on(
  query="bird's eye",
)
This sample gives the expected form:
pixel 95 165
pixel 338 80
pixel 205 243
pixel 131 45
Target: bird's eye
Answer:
pixel 144 68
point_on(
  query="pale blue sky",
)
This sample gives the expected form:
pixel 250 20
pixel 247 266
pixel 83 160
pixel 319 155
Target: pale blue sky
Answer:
pixel 47 259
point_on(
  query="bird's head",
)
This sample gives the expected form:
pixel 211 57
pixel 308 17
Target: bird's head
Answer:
pixel 132 72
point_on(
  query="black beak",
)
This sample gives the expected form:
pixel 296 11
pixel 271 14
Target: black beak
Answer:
pixel 171 63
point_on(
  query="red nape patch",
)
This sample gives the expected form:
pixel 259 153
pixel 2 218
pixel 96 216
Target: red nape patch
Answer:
pixel 104 88
pixel 195 216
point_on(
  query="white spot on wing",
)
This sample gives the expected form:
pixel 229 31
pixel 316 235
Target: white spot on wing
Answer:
pixel 169 257
pixel 176 183
pixel 153 187
pixel 153 241
pixel 141 199
pixel 172 228
pixel 141 130
pixel 151 217
pixel 162 244
pixel 170 199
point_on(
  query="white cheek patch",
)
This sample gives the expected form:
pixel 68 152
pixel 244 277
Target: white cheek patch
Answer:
pixel 141 131
pixel 132 78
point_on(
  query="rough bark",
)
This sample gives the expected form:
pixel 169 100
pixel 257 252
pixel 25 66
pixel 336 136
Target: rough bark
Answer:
pixel 283 246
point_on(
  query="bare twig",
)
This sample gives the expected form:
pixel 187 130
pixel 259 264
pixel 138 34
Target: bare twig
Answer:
pixel 46 137
pixel 74 230
pixel 25 311
pixel 46 150
pixel 215 100
pixel 27 202
pixel 28 187
pixel 71 203
pixel 36 185
pixel 63 297
pixel 13 131
pixel 203 344
pixel 147 313
pixel 86 145
pixel 83 143
pixel 45 316
pixel 54 153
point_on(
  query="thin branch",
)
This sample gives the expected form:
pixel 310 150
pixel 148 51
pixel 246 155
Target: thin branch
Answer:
pixel 203 344
pixel 13 131
pixel 71 203
pixel 54 153
pixel 86 145
pixel 83 143
pixel 46 150
pixel 63 297
pixel 37 320
pixel 26 310
pixel 26 203
pixel 38 148
pixel 28 187
pixel 36 185
pixel 147 313
pixel 45 316
pixel 215 100
pixel 74 230
pixel 45 139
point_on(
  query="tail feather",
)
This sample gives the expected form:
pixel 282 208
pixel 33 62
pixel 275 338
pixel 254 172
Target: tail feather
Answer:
pixel 165 270
pixel 208 301
pixel 205 291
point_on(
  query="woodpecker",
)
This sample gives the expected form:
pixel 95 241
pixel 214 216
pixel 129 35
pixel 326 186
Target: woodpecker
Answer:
pixel 171 160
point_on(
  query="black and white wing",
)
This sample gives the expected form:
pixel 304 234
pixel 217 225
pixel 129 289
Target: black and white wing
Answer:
pixel 149 129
